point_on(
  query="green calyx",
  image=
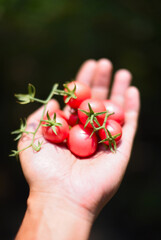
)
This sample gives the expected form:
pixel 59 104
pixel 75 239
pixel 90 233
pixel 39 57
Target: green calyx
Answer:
pixel 21 130
pixel 14 153
pixel 69 93
pixel 38 146
pixel 27 98
pixel 30 97
pixel 110 139
pixel 51 122
pixel 92 116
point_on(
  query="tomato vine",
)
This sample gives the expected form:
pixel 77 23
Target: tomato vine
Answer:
pixel 69 94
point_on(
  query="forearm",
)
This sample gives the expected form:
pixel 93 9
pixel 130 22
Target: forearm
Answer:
pixel 53 219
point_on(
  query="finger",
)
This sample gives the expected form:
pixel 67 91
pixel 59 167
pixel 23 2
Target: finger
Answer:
pixel 86 72
pixel 102 77
pixel 112 166
pixel 122 80
pixel 52 105
pixel 132 108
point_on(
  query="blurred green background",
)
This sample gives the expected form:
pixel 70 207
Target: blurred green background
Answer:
pixel 43 42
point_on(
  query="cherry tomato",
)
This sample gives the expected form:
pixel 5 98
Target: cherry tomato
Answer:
pixel 79 141
pixel 62 131
pixel 118 115
pixel 82 92
pixel 114 128
pixel 73 117
pixel 97 106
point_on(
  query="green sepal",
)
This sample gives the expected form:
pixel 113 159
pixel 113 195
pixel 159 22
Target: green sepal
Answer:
pixel 65 85
pixel 117 135
pixel 54 129
pixel 67 99
pixel 87 121
pixel 111 148
pixel 14 153
pixel 114 145
pixel 18 137
pixel 48 117
pixel 31 90
pixel 96 121
pixel 110 136
pixel 54 117
pixel 100 113
pixel 90 109
pixel 85 112
pixel 104 140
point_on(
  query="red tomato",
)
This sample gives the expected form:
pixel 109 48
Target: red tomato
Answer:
pixel 118 115
pixel 62 131
pixel 79 141
pixel 114 128
pixel 82 92
pixel 73 117
pixel 97 106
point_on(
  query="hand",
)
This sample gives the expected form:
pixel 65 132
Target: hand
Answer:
pixel 87 184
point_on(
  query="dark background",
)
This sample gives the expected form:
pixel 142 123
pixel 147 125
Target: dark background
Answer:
pixel 43 42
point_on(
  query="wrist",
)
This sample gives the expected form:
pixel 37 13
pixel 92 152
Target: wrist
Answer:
pixel 51 215
pixel 58 202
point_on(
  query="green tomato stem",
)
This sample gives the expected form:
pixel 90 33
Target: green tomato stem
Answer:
pixel 38 100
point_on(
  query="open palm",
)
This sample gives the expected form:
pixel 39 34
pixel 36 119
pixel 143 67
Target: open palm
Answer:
pixel 88 182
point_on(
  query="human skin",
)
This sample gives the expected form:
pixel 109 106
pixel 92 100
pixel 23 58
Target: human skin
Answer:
pixel 66 193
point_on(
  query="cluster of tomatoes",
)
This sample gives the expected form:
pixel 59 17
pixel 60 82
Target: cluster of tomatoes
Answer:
pixel 88 122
